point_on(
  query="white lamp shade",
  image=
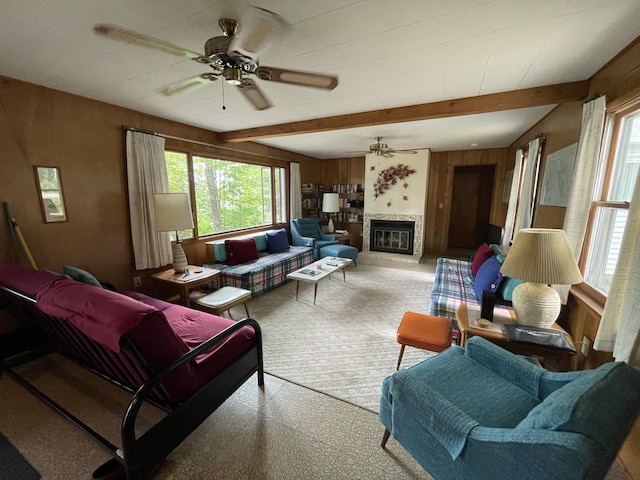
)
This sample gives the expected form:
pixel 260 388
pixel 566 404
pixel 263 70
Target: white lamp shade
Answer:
pixel 173 212
pixel 330 203
pixel 540 257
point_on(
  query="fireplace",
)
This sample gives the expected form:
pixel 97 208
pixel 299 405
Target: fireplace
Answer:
pixel 392 236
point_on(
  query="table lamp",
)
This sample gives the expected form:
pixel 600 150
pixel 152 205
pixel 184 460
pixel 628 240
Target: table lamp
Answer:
pixel 330 204
pixel 540 257
pixel 173 214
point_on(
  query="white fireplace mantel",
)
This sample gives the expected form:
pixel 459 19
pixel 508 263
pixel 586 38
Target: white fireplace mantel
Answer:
pixel 405 200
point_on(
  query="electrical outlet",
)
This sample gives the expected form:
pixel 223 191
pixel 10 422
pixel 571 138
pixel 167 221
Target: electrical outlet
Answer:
pixel 586 343
pixel 137 281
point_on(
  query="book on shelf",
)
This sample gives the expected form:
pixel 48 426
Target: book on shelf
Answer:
pixel 346 188
pixel 547 337
pixel 312 188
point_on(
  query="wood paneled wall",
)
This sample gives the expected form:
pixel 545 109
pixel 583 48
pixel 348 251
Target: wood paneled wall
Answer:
pixel 84 138
pixel 619 80
pixel 440 189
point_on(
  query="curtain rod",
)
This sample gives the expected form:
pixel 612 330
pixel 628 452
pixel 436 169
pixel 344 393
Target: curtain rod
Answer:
pixel 541 136
pixel 593 97
pixel 171 137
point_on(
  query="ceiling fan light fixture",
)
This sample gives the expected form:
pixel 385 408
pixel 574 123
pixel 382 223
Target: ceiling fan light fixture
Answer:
pixel 232 75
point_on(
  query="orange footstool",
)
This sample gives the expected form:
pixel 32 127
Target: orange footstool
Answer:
pixel 423 331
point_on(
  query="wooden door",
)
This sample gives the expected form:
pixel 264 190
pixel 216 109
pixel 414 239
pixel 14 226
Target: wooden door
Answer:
pixel 470 206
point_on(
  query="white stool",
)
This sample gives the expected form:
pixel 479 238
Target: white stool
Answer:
pixel 223 299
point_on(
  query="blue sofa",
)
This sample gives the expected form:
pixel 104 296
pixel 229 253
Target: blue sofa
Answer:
pixel 484 413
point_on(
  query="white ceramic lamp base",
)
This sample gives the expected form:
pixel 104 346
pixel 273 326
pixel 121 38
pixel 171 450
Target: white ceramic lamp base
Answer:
pixel 330 227
pixel 179 258
pixel 536 304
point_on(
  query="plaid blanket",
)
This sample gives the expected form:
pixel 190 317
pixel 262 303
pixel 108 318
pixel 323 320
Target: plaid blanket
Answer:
pixel 452 286
pixel 267 272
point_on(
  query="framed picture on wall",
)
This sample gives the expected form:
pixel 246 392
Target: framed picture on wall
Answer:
pixel 558 174
pixel 50 192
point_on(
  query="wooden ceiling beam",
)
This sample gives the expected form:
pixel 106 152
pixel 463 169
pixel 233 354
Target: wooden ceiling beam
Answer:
pixel 494 102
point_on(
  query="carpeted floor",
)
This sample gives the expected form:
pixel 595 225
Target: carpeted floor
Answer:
pixel 345 345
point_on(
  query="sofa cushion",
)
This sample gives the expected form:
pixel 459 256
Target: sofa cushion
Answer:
pixel 100 314
pixel 507 286
pixel 498 251
pixel 220 252
pixel 483 252
pixel 586 404
pixel 241 250
pixel 277 241
pixel 261 242
pixel 80 275
pixel 488 277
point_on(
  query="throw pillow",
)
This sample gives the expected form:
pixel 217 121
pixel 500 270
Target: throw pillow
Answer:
pixel 80 275
pixel 488 277
pixel 498 252
pixel 241 251
pixel 484 251
pixel 277 241
pixel 506 287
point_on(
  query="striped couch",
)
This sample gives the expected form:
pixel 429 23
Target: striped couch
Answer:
pixel 261 275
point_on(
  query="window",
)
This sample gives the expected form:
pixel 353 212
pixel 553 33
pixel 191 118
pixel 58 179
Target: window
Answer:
pixel 228 195
pixel 616 181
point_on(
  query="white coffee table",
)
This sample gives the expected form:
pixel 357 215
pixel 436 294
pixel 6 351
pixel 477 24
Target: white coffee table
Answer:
pixel 317 271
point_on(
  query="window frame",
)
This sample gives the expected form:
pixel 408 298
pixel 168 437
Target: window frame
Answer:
pixel 193 150
pixel 613 127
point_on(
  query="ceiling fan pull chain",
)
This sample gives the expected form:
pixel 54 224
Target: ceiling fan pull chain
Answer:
pixel 223 106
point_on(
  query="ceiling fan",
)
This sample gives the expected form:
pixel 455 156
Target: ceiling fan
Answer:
pixel 383 150
pixel 231 57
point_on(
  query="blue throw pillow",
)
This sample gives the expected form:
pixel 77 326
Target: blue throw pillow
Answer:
pixel 80 275
pixel 488 277
pixel 277 241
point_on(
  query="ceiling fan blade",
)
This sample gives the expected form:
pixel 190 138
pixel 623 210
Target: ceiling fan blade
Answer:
pixel 188 84
pixel 305 79
pixel 387 154
pixel 252 92
pixel 120 34
pixel 258 31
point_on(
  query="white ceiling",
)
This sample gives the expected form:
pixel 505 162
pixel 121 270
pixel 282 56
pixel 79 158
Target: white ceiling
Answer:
pixel 386 53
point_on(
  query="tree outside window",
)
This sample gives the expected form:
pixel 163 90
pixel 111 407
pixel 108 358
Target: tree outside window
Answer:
pixel 227 195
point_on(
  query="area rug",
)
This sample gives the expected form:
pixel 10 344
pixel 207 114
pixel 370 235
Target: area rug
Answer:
pixel 345 345
pixel 13 466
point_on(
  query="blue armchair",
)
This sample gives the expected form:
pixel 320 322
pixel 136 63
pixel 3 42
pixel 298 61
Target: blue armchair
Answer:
pixel 306 232
pixel 482 412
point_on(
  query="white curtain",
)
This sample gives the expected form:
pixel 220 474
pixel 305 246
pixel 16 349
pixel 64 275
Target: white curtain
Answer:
pixel 295 190
pixel 524 215
pixel 584 179
pixel 146 175
pixel 513 199
pixel 619 330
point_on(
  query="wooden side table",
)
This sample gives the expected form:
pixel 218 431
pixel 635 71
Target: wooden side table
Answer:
pixel 554 357
pixel 344 238
pixel 197 277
